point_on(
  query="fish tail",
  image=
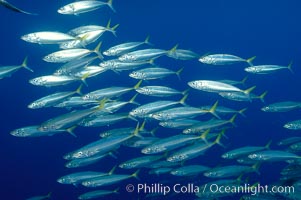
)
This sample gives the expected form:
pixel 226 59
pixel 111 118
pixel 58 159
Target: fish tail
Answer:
pixel 98 51
pixel 141 128
pixel 250 60
pixel 112 155
pixel 152 132
pixel 151 62
pixel 249 90
pixel 112 170
pixel 262 96
pixel 243 81
pixel 70 130
pixel 256 167
pixel 84 77
pixel 113 28
pixel 213 109
pixel 138 84
pixel 204 136
pixel 268 145
pixel 182 101
pixel 289 67
pixel 48 195
pixel 135 175
pixel 116 190
pixel 146 41
pixel 241 112
pixel 171 51
pixel 102 103
pixel 185 91
pixel 233 119
pixel 218 139
pixel 179 72
pixel 110 4
pixel 24 64
pixel 223 133
pixel 239 179
pixel 79 90
pixel 136 132
pixel 132 100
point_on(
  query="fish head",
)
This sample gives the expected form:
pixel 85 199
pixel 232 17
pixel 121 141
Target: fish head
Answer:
pixel 78 154
pixel 87 183
pixel 35 105
pixel 86 123
pixel 255 156
pixel 266 109
pixel 165 124
pixel 146 150
pixel 127 57
pixel 66 10
pixel 110 52
pixel 136 112
pixel 32 37
pixel 37 81
pixel 226 155
pixel 18 132
pixel 206 60
pixel 88 96
pixel 107 64
pixel 288 126
pixel 196 84
pixel 137 75
pixel 251 69
pixel 176 172
pixel 72 164
pixel 62 180
pixel 68 156
pixel 177 158
pixel 50 58
pixel 157 116
pixel 71 44
pixel 187 131
pixel 125 165
pixel 211 174
pixel 144 90
pixel 59 72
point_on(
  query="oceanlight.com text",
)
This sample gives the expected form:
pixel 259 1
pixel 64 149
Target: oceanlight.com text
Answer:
pixel 158 188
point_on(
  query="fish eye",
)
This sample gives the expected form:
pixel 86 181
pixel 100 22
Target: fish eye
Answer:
pixel 87 183
pixel 252 156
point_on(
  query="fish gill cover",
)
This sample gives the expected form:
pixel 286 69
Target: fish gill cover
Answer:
pixel 150 100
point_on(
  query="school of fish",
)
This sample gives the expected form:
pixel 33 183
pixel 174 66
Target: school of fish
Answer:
pixel 147 107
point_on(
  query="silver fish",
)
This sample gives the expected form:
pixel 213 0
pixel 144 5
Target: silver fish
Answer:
pixel 47 37
pixel 224 59
pixel 283 106
pixel 125 48
pixel 97 194
pixel 14 8
pixel 293 125
pixel 53 99
pixel 7 71
pixel 79 7
pixel 68 55
pixel 267 69
pixel 153 73
pixel 159 91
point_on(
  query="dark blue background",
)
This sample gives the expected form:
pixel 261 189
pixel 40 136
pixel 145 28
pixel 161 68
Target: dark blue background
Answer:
pixel 269 29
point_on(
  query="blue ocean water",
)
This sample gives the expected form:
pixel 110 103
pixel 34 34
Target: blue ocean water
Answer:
pixel 269 30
